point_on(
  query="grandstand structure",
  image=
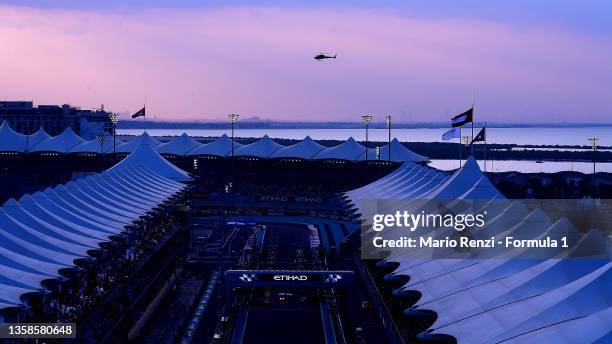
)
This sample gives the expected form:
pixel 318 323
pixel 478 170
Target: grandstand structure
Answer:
pixel 262 164
pixel 265 148
pixel 514 298
pixel 114 241
pixel 68 233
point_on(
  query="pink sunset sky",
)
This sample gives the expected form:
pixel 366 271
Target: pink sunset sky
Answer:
pixel 201 63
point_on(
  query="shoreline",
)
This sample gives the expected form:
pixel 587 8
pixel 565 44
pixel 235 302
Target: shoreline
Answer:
pixel 449 151
pixel 269 124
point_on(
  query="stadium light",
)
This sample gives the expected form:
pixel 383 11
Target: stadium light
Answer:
pixel 389 127
pixel 594 141
pixel 233 119
pixel 366 120
pixel 101 138
pixel 114 117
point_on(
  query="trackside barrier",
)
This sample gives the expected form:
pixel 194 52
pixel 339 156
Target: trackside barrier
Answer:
pixel 199 312
pixel 383 313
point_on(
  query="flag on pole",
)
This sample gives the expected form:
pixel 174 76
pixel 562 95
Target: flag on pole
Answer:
pixel 140 113
pixel 481 136
pixel 463 118
pixel 451 134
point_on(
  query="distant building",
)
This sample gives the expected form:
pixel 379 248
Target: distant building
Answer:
pixel 26 118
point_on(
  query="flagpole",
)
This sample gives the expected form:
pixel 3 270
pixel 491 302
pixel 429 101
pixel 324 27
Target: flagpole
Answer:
pixel 144 118
pixel 485 146
pixel 472 148
pixel 460 147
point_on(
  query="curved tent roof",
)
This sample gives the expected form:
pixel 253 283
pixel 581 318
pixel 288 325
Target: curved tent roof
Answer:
pixel 130 146
pixel 466 181
pixel 219 147
pixel 582 297
pixel 44 233
pixel 36 138
pixel 589 329
pixel 10 140
pixel 398 173
pixel 305 149
pixel 261 148
pixel 180 145
pixel 399 153
pixel 61 143
pixel 348 150
pixel 145 157
pixel 93 146
pixel 511 295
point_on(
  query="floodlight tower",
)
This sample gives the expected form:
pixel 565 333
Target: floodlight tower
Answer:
pixel 389 128
pixel 594 141
pixel 366 120
pixel 101 138
pixel 114 117
pixel 233 119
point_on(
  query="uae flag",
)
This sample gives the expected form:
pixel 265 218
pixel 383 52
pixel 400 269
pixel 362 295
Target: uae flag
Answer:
pixel 481 136
pixel 463 118
pixel 140 113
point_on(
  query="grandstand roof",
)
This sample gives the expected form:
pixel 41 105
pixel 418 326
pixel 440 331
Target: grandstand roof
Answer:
pixel 10 140
pixel 93 146
pixel 130 146
pixel 261 148
pixel 183 145
pixel 348 150
pixel 399 153
pixel 144 156
pixel 180 145
pixel 504 296
pixel 467 181
pixel 305 149
pixel 582 297
pixel 61 143
pixel 219 147
pixel 589 329
pixel 37 137
pixel 45 232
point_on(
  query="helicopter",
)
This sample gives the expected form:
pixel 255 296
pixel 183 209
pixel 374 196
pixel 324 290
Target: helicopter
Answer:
pixel 321 56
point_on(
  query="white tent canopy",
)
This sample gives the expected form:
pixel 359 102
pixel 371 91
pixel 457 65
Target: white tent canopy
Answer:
pixel 61 143
pixel 219 147
pixel 145 157
pixel 185 145
pixel 305 149
pixel 348 150
pixel 36 138
pixel 10 140
pixel 261 148
pixel 130 146
pixel 43 233
pixel 180 145
pixel 399 153
pixel 93 146
pixel 508 297
pixel 468 180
